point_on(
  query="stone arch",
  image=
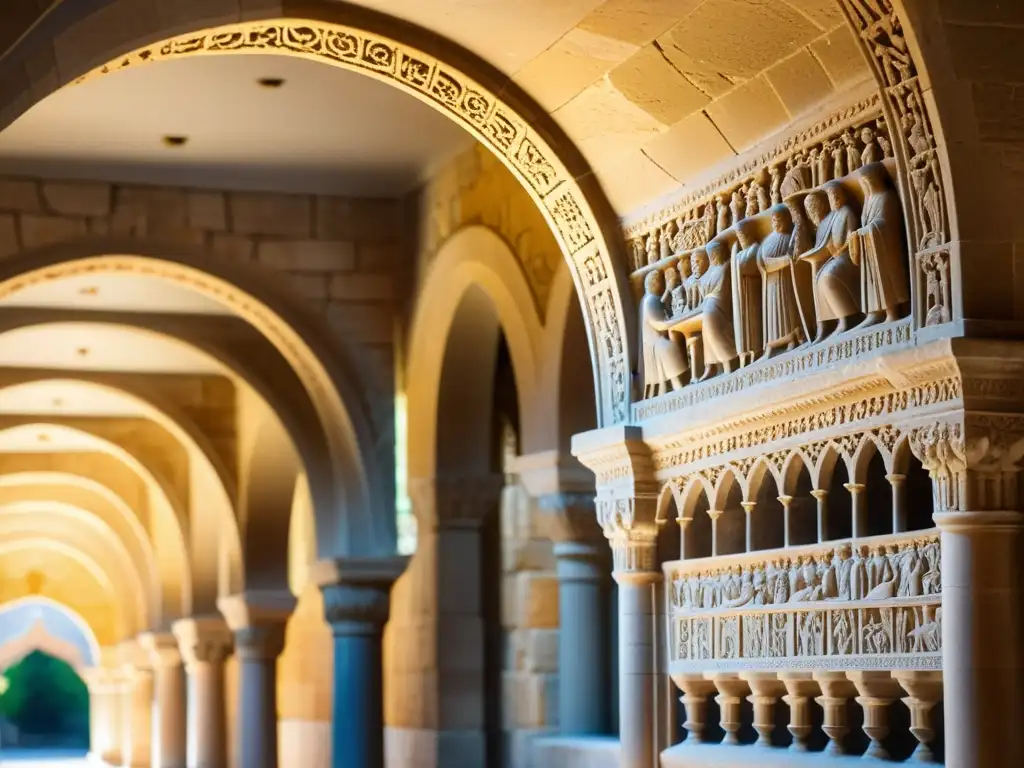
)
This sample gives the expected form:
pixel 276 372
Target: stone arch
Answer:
pixel 439 73
pixel 55 519
pixel 475 290
pixel 122 627
pixel 93 645
pixel 349 489
pixel 68 493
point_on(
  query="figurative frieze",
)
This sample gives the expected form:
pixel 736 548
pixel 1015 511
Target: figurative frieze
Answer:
pixel 851 599
pixel 821 262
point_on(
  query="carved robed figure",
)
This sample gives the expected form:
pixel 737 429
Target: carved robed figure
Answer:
pixel 664 356
pixel 716 306
pixel 783 323
pixel 747 291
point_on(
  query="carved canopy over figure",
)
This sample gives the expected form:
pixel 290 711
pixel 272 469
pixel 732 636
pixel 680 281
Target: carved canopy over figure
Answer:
pixel 836 275
pixel 747 291
pixel 877 247
pixel 716 305
pixel 664 359
pixel 783 324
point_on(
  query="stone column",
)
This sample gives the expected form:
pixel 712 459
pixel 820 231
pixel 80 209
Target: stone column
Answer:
pixel 748 509
pixel 258 620
pixel 857 508
pixel 137 705
pixel 168 729
pixel 118 715
pixel 100 731
pixel 787 533
pixel 981 637
pixel 582 563
pixel 356 604
pixel 205 644
pixel 634 571
pixel 899 502
pixel 821 496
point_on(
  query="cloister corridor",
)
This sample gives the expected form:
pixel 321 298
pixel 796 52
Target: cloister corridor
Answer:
pixel 511 383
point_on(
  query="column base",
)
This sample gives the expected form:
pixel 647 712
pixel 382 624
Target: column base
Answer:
pixel 427 748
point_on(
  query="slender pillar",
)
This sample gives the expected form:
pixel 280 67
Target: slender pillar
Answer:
pixel 205 644
pixel 748 508
pixel 100 732
pixel 899 502
pixel 638 679
pixel 787 533
pixel 258 621
pixel 583 705
pixel 356 604
pixel 684 523
pixel 981 638
pixel 118 716
pixel 714 514
pixel 137 701
pixel 857 508
pixel 168 729
pixel 821 496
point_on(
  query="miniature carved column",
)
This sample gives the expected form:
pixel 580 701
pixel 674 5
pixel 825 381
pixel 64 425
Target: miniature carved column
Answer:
pixel 205 644
pixel 582 563
pixel 748 508
pixel 785 501
pixel 821 496
pixel 168 729
pixel 356 604
pixel 877 691
pixel 714 514
pixel 696 689
pixel 731 692
pixel 634 571
pixel 924 691
pixel 118 714
pixel 857 508
pixel 257 620
pixel 766 690
pixel 836 691
pixel 800 689
pixel 684 523
pixel 899 502
pixel 101 733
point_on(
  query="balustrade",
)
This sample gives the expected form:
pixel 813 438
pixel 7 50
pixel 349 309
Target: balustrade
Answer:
pixel 850 627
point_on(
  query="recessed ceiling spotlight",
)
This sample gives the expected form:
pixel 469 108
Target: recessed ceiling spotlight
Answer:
pixel 82 351
pixel 88 290
pixel 58 402
pixel 271 82
pixel 42 437
pixel 175 141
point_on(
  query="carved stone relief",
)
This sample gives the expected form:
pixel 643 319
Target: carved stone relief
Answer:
pixel 877 597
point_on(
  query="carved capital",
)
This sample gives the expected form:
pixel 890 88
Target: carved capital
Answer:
pixel 455 502
pixel 569 517
pixel 357 592
pixel 162 648
pixel 258 619
pixel 203 640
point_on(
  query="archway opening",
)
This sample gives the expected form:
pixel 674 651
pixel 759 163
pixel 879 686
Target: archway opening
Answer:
pixel 44 702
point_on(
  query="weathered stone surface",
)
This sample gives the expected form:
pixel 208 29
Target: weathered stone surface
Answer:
pixel 149 211
pixel 735 39
pixel 307 255
pixel 233 247
pixel 371 323
pixel 335 218
pixel 634 180
pixel 604 123
pixel 20 195
pixel 360 287
pixel 309 286
pixel 690 147
pixel 823 13
pixel 528 555
pixel 649 81
pixel 207 210
pixel 268 214
pixel 748 114
pixel 635 23
pixel 538 600
pixel 800 82
pixel 8 235
pixel 78 198
pixel 840 55
pixel 38 230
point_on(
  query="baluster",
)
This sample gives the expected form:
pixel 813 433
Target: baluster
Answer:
pixel 821 496
pixel 748 507
pixel 731 692
pixel 924 691
pixel 877 691
pixel 766 690
pixel 836 690
pixel 696 689
pixel 800 689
